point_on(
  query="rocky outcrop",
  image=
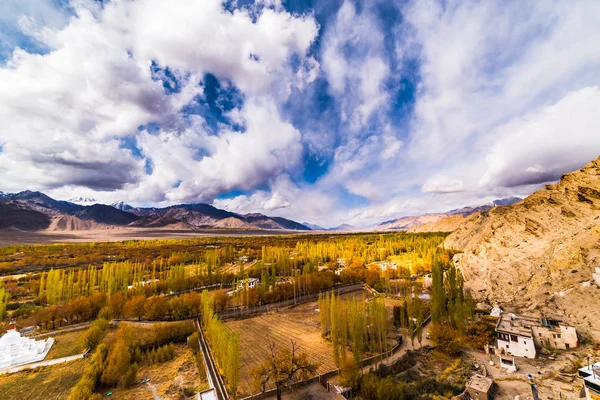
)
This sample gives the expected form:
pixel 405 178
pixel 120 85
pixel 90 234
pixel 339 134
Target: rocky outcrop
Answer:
pixel 539 254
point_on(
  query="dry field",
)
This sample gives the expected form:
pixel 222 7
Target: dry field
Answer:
pixel 299 324
pixel 66 344
pixel 167 380
pixel 49 383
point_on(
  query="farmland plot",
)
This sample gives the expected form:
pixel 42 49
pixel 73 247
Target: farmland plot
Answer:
pixel 281 328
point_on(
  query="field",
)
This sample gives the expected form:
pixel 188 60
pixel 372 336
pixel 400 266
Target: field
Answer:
pixel 51 383
pixel 66 344
pixel 167 380
pixel 299 324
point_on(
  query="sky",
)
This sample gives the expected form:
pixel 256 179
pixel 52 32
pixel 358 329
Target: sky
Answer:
pixel 323 111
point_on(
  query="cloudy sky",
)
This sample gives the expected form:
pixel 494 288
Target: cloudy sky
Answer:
pixel 322 111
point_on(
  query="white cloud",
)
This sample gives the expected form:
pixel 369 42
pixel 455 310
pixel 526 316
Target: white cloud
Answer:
pixel 443 184
pixel 64 113
pixel 545 143
pixel 354 62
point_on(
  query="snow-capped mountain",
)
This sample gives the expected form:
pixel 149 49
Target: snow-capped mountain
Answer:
pixel 83 201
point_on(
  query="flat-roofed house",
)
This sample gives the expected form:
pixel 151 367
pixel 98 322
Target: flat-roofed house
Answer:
pixel 552 333
pixel 480 387
pixel 514 336
pixel 520 335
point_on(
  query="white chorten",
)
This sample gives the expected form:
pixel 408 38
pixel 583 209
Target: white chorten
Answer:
pixel 16 350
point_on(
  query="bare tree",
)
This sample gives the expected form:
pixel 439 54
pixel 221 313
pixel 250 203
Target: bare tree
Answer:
pixel 283 367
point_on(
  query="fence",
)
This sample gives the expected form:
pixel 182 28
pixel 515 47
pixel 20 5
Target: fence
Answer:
pixel 325 376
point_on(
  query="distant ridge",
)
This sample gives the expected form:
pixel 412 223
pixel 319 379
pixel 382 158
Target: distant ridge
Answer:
pixel 31 211
pixel 440 222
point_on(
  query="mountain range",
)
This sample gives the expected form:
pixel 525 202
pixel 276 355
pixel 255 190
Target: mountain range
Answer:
pixel 32 211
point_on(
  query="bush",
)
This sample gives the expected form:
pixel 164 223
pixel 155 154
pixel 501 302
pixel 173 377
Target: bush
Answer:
pixel 193 342
pixel 446 338
pixel 479 334
pixel 92 337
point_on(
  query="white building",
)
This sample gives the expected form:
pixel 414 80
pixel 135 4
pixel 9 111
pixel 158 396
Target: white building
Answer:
pixel 591 381
pixel 248 283
pixel 16 350
pixel 496 311
pixel 427 281
pixel 514 336
pixel 387 265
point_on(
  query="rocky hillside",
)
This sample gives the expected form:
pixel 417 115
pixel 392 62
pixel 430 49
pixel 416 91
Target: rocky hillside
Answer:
pixel 446 224
pixel 540 254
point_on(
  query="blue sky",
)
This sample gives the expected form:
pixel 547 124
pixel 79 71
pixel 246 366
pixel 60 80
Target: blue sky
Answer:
pixel 322 111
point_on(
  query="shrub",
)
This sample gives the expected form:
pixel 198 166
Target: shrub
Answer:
pixel 92 337
pixel 446 338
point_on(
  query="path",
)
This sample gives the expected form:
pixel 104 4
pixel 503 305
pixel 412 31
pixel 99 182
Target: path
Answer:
pixel 214 379
pixel 406 346
pixel 41 364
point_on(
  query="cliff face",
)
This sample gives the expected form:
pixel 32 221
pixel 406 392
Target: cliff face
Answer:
pixel 540 254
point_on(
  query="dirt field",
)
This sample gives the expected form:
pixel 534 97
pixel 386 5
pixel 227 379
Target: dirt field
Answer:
pixel 50 383
pixel 167 380
pixel 299 324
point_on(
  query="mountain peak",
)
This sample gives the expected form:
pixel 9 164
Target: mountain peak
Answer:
pixel 83 201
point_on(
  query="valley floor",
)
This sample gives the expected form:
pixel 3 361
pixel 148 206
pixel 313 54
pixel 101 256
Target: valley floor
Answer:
pixel 10 237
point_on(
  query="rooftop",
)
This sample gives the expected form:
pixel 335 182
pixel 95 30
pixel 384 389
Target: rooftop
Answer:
pixel 480 383
pixel 591 376
pixel 516 324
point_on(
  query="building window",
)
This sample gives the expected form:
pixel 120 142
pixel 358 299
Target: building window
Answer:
pixel 514 338
pixel 567 346
pixel 558 335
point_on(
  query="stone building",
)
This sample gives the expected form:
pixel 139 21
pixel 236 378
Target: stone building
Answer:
pixel 520 335
pixel 480 387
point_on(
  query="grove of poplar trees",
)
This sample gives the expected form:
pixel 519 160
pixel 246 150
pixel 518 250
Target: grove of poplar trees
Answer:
pixel 354 324
pixel 225 345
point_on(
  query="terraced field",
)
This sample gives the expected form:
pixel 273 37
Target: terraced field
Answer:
pixel 299 325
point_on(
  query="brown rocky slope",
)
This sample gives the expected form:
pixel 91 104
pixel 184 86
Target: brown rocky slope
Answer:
pixel 539 255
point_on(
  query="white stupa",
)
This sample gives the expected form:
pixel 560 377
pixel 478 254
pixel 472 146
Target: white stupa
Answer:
pixel 16 350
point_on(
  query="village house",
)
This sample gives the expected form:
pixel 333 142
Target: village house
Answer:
pixel 17 350
pixel 341 262
pixel 283 280
pixel 248 283
pixel 554 334
pixel 387 265
pixel 480 387
pixel 520 335
pixel 514 336
pixel 591 381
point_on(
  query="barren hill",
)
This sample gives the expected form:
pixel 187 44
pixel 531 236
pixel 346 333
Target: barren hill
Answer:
pixel 540 254
pixel 445 224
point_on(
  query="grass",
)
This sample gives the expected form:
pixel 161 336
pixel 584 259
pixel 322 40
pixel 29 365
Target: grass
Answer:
pixel 168 380
pixel 49 383
pixel 66 344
